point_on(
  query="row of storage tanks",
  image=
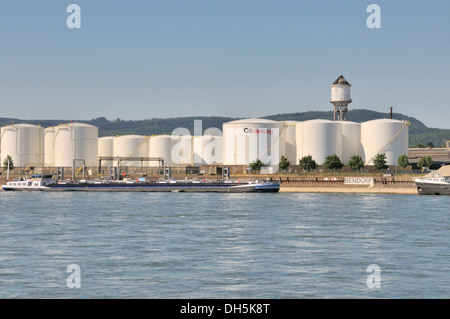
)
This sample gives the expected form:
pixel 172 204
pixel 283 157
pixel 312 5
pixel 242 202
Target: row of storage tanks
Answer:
pixel 60 146
pixel 241 142
pixel 318 138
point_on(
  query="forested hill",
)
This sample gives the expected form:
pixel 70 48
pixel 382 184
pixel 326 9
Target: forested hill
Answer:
pixel 418 132
pixel 353 115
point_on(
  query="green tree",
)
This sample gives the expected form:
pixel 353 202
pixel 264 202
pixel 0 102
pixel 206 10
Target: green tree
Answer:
pixel 425 162
pixel 380 161
pixel 256 165
pixel 356 163
pixel 403 161
pixel 333 162
pixel 284 163
pixel 307 163
pixel 5 163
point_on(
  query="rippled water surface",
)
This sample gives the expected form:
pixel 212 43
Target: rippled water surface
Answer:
pixel 181 245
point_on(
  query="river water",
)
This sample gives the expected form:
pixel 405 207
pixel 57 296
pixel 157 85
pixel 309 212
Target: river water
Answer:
pixel 199 245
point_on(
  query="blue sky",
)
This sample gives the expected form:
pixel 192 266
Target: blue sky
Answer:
pixel 248 58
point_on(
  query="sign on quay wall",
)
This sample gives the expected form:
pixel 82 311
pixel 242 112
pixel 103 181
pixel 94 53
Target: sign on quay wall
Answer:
pixel 359 180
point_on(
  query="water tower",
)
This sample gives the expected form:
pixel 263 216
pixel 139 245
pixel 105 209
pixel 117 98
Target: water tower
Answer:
pixel 340 98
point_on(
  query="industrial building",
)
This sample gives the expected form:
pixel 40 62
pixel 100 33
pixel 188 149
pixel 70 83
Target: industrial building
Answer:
pixel 242 142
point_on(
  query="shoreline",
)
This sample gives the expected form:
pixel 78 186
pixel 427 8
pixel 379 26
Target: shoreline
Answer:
pixel 342 189
pixel 318 184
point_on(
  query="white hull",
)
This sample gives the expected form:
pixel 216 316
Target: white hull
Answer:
pixel 433 186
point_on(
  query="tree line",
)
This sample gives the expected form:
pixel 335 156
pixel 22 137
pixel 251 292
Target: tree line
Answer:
pixel 333 162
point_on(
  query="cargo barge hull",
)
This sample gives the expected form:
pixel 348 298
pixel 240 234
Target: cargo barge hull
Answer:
pixel 112 186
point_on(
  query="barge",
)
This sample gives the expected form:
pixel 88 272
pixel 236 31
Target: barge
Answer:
pixel 47 183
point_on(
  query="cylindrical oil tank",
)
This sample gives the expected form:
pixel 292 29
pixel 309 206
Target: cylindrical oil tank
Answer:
pixel 351 140
pixel 207 150
pixel 247 140
pixel 76 141
pixel 49 147
pixel 105 148
pixel 24 143
pixel 289 138
pixel 298 142
pixel 131 146
pixel 160 146
pixel 318 138
pixel 384 136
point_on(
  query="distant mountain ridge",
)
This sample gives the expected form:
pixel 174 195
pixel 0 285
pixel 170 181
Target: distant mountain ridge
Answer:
pixel 358 115
pixel 419 133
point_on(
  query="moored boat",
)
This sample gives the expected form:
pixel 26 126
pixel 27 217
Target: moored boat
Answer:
pixel 35 183
pixel 435 183
pixel 46 183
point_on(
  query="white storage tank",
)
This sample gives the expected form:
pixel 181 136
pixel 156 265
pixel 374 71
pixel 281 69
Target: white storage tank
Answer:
pixel 76 141
pixel 160 146
pixel 247 140
pixel 49 147
pixel 105 148
pixel 318 138
pixel 289 138
pixel 207 150
pixel 131 146
pixel 24 143
pixel 351 140
pixel 384 136
pixel 298 142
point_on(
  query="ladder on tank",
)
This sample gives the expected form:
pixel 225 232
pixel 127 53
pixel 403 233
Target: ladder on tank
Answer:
pixel 405 124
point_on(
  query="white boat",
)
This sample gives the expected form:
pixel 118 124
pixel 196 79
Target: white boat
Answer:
pixel 35 183
pixel 434 184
